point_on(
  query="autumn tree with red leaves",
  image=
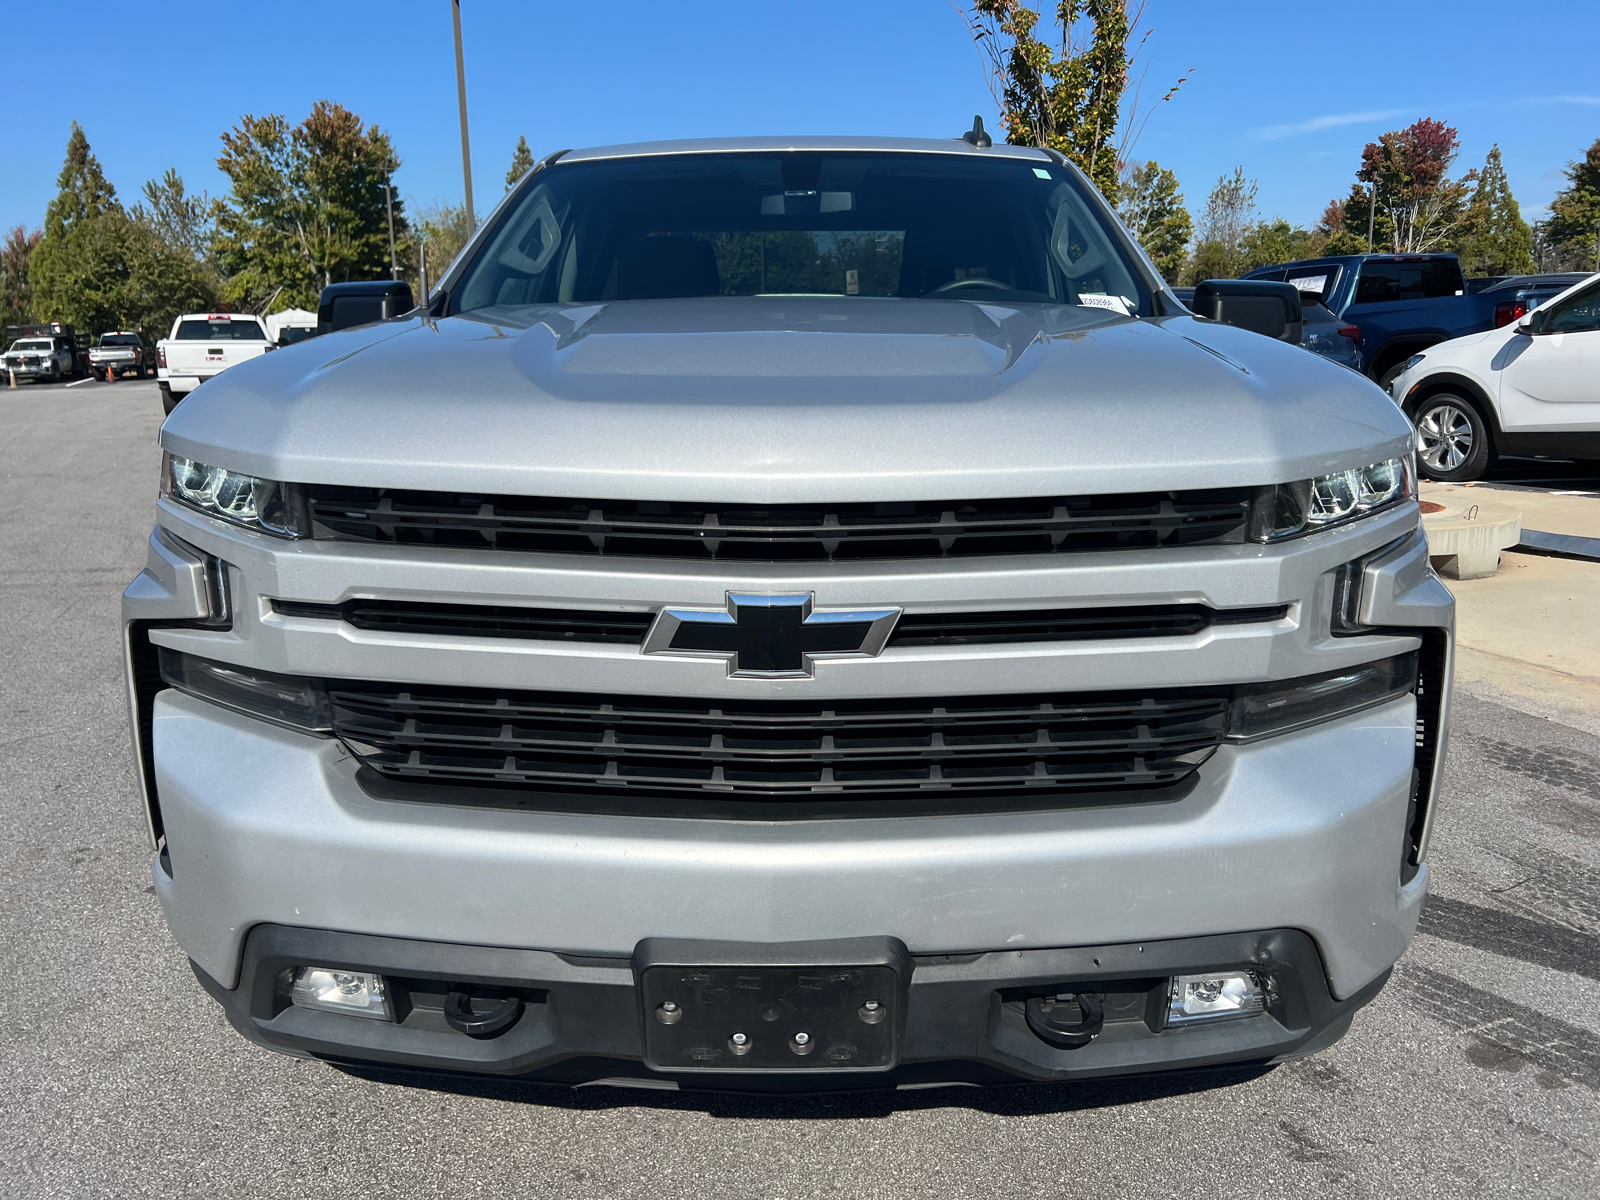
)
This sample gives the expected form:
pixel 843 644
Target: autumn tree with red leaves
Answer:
pixel 1419 207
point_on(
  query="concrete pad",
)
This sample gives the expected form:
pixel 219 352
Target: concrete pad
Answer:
pixel 1467 531
pixel 1575 512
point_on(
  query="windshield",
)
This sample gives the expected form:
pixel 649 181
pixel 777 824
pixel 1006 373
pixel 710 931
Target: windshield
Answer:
pixel 119 339
pixel 764 224
pixel 36 345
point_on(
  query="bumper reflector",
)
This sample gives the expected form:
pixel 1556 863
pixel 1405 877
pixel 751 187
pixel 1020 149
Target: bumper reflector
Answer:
pixel 354 993
pixel 1196 998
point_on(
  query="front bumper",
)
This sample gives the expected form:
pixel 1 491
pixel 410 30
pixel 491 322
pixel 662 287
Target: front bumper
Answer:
pixel 264 826
pixel 268 826
pixel 957 1018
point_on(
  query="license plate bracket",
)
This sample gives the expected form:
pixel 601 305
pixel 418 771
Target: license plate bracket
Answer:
pixel 791 1018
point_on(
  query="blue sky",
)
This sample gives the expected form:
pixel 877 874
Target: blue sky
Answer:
pixel 1289 91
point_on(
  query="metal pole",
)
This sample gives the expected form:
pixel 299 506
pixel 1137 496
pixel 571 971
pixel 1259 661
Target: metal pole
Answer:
pixel 1372 211
pixel 461 97
pixel 388 203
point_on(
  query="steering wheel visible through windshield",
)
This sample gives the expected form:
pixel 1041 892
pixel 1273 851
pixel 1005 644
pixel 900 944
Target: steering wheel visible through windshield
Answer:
pixel 946 226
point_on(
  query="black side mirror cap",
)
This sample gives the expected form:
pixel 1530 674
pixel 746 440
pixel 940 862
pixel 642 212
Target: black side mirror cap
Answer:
pixel 345 305
pixel 1262 306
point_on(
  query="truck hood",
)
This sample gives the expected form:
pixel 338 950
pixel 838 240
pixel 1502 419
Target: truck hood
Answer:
pixel 766 399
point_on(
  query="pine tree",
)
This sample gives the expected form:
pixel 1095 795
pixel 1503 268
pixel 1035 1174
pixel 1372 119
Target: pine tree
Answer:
pixel 16 290
pixel 521 163
pixel 83 194
pixel 1573 230
pixel 1152 207
pixel 1495 240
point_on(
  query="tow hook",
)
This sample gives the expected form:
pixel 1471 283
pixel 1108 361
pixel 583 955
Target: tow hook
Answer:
pixel 1068 1020
pixel 458 1012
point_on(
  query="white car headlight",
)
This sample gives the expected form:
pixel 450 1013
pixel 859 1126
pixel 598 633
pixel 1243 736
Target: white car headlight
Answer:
pixel 1291 509
pixel 262 504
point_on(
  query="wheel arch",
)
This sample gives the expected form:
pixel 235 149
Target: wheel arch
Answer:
pixel 1455 381
pixel 1399 348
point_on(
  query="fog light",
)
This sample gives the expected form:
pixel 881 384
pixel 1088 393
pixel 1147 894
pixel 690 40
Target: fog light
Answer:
pixel 354 993
pixel 1214 997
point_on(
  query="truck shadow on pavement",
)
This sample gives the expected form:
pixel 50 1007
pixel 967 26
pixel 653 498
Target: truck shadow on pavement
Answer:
pixel 1003 1100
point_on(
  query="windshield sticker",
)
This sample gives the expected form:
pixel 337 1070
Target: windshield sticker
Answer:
pixel 1101 300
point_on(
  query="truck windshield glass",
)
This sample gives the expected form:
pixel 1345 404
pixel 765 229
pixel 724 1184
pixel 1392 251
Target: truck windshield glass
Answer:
pixel 31 346
pixel 216 331
pixel 846 224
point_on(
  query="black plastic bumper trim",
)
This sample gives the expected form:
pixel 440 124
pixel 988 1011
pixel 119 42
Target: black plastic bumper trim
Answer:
pixel 964 1017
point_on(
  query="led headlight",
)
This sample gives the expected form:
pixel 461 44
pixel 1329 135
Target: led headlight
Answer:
pixel 262 504
pixel 1291 509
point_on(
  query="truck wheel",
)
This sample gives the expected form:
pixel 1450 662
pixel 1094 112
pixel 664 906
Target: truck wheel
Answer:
pixel 1456 443
pixel 55 372
pixel 168 400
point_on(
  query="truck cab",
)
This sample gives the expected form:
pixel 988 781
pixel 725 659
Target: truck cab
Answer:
pixel 1400 303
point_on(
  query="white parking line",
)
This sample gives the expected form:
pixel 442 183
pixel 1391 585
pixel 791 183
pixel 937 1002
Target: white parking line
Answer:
pixel 76 382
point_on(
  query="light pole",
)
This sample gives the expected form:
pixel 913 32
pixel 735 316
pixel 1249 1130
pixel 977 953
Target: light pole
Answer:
pixel 461 96
pixel 1372 211
pixel 388 204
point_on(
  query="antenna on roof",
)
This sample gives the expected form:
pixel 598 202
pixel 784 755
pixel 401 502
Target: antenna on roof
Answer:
pixel 976 136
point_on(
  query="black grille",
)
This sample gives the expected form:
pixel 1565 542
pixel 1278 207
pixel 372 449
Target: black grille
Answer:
pixel 776 750
pixel 1069 624
pixel 479 620
pixel 913 629
pixel 785 532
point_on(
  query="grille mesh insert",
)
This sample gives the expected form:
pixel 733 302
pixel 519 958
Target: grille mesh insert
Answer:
pixel 781 533
pixel 779 750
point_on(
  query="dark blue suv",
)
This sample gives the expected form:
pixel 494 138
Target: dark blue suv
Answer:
pixel 1401 303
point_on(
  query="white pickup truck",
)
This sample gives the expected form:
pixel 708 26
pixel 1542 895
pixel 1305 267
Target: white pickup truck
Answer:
pixel 202 345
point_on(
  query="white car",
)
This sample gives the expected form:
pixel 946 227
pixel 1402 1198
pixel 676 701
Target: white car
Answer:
pixel 1529 388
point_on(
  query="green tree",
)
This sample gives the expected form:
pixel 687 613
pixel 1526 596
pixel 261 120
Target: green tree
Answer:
pixel 82 194
pixel 1151 206
pixel 1069 101
pixel 306 207
pixel 1228 219
pixel 1276 241
pixel 1333 233
pixel 182 220
pixel 1571 235
pixel 521 163
pixel 446 229
pixel 98 267
pixel 1494 239
pixel 16 290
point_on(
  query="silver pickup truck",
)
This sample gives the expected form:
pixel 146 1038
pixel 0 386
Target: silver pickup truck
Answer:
pixel 787 614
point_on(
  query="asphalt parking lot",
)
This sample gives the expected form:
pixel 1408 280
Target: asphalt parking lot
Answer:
pixel 1475 1072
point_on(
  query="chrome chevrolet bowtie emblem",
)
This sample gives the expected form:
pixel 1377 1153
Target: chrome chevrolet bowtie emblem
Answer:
pixel 770 637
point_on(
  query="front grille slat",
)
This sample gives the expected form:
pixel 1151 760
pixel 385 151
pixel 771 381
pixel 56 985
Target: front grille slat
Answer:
pixel 782 532
pixel 772 750
pixel 912 629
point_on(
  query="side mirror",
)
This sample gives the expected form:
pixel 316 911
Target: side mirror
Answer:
pixel 1262 306
pixel 344 305
pixel 1534 325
